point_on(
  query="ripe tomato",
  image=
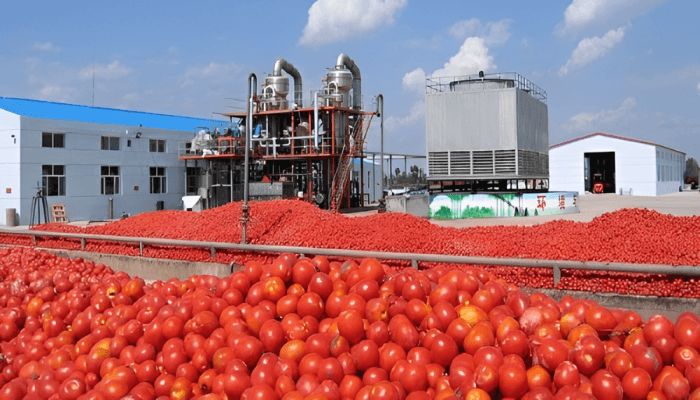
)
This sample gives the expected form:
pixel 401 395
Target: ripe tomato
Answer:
pixel 636 384
pixel 606 385
pixel 350 325
pixel 512 380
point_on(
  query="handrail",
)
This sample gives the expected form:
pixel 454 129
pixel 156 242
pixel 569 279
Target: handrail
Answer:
pixel 414 258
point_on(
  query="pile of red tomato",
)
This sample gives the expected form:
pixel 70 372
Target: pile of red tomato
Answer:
pixel 310 328
pixel 630 235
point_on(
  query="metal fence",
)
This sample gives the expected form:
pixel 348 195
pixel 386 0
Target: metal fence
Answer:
pixel 414 258
pixel 438 84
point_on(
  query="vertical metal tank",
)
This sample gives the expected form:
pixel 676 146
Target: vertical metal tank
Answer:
pixel 275 91
pixel 276 87
pixel 338 84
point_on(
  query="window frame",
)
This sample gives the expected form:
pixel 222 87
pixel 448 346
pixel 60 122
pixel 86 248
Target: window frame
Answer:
pixel 53 136
pixel 157 174
pixel 107 143
pixel 156 145
pixel 192 180
pixel 51 176
pixel 111 174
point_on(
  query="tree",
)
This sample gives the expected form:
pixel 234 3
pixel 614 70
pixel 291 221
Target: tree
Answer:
pixel 691 171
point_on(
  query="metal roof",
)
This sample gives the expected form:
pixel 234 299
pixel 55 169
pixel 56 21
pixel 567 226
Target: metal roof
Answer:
pixel 103 115
pixel 613 136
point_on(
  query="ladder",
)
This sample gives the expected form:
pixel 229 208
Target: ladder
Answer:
pixel 349 151
pixel 58 213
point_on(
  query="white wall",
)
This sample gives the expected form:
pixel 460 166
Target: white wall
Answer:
pixel 670 167
pixel 635 165
pixel 9 162
pixel 83 157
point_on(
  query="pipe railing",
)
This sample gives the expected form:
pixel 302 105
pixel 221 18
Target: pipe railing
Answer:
pixel 414 258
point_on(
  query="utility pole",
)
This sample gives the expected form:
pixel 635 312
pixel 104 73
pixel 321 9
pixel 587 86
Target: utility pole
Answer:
pixel 252 88
pixel 380 111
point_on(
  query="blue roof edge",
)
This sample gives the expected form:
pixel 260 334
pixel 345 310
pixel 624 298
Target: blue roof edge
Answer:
pixel 96 114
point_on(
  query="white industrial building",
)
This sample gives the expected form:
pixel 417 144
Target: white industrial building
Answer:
pixel 623 165
pixel 84 156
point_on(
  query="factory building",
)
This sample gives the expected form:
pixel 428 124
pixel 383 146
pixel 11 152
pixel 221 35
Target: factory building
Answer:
pixel 615 164
pixel 97 162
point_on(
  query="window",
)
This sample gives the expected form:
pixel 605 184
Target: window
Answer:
pixel 110 142
pixel 158 180
pixel 192 184
pixel 51 139
pixel 109 180
pixel 156 145
pixel 53 180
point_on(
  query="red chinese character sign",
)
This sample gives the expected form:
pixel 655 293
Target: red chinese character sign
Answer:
pixel 541 201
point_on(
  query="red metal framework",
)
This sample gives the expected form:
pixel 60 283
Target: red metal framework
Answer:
pixel 286 149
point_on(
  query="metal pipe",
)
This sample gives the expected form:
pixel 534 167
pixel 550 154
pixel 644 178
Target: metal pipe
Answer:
pixel 679 270
pixel 252 89
pixel 380 111
pixel 344 61
pixel 282 64
pixel 316 120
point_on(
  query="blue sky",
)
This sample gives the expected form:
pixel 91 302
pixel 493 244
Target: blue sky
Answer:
pixel 630 67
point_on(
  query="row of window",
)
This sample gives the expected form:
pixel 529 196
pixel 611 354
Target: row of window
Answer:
pixel 53 178
pixel 58 140
pixel 666 173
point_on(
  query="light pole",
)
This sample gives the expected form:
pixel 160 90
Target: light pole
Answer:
pixel 252 88
pixel 380 111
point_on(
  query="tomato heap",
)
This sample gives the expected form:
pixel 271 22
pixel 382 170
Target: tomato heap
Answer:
pixel 630 235
pixel 310 328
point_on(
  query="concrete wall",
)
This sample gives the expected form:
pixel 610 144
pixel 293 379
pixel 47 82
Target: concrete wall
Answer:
pixel 9 163
pixel 83 157
pixel 416 204
pixel 635 165
pixel 670 168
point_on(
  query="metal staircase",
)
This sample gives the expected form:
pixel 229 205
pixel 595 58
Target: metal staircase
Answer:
pixel 351 147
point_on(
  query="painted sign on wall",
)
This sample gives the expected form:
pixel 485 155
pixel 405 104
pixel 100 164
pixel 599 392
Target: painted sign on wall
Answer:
pixel 484 205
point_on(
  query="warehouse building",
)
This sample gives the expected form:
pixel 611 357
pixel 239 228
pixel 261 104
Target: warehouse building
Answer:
pixel 95 161
pixel 615 164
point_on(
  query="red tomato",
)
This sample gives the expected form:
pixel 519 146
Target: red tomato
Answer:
pixel 512 380
pixel 636 384
pixel 606 385
pixel 365 354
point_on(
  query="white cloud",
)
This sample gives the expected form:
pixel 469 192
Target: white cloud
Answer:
pixel 698 87
pixel 592 48
pixel 212 71
pixel 336 20
pixel 583 14
pixel 59 93
pixel 414 116
pixel 594 120
pixel 414 80
pixel 46 47
pixel 494 33
pixel 111 71
pixel 473 56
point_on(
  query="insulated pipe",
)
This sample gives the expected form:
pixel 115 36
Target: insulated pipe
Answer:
pixel 282 64
pixel 345 61
pixel 316 120
pixel 380 111
pixel 252 87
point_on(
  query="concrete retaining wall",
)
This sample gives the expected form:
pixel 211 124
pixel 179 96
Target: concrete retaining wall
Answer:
pixel 150 269
pixel 416 204
pixel 646 306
